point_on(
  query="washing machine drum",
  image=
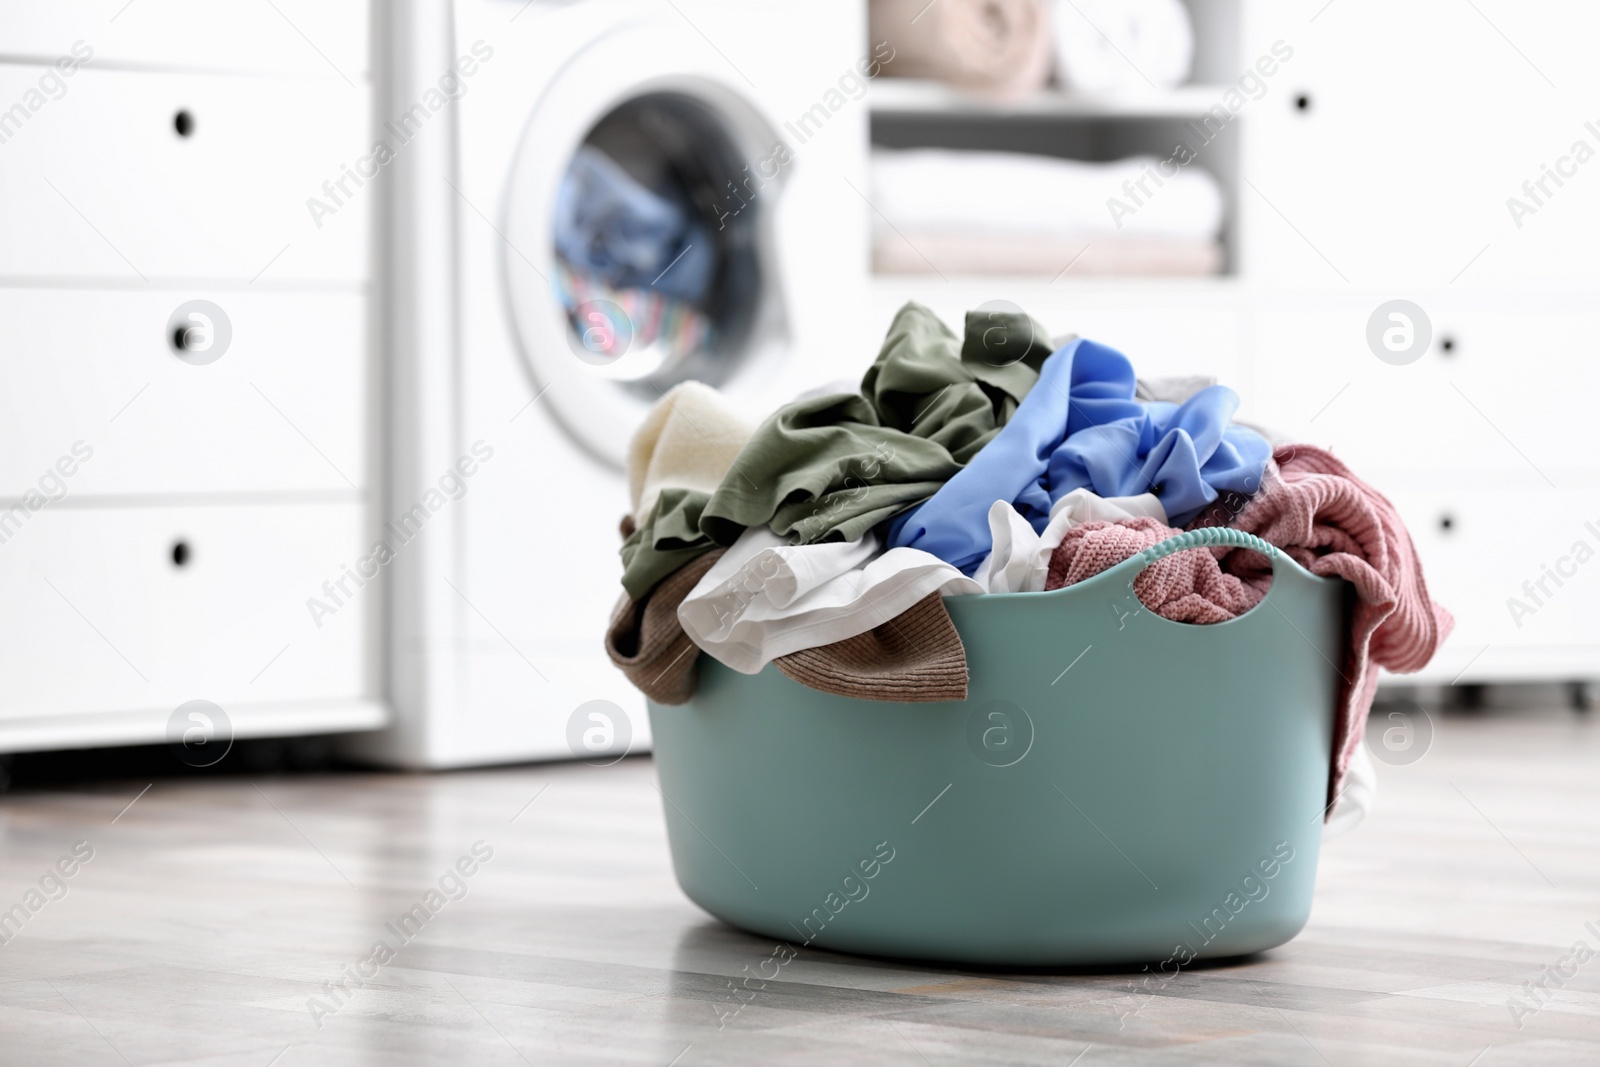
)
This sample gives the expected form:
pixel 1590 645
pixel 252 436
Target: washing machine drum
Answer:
pixel 638 229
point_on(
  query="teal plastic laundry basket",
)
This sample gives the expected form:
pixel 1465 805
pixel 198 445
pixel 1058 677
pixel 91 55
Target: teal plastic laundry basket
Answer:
pixel 1117 789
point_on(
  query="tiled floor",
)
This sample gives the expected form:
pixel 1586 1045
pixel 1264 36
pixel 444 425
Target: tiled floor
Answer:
pixel 214 914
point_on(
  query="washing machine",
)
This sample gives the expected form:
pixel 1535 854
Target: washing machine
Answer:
pixel 505 438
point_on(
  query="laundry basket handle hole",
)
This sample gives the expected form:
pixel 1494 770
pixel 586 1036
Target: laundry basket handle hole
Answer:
pixel 1205 537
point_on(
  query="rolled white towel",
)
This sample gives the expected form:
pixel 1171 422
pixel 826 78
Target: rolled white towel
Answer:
pixel 932 189
pixel 1122 46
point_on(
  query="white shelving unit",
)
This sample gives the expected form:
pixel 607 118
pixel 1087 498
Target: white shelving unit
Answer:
pixel 912 113
pixel 1338 201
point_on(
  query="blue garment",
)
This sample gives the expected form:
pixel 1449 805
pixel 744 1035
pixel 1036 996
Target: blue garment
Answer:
pixel 1080 427
pixel 608 224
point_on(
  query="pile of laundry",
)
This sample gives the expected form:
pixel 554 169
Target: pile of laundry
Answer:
pixel 642 250
pixel 823 540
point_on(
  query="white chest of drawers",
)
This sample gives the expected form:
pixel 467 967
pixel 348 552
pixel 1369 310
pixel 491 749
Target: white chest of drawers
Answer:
pixel 187 382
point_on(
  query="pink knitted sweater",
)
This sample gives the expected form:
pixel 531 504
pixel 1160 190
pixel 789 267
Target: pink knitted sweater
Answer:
pixel 1328 521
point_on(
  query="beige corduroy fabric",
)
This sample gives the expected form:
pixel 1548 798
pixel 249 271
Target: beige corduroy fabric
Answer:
pixel 915 657
pixel 688 440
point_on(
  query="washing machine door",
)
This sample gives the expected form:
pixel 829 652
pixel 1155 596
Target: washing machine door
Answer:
pixel 654 98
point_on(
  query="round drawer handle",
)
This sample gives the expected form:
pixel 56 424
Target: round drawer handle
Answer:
pixel 1447 345
pixel 1447 522
pixel 1302 102
pixel 181 553
pixel 199 332
pixel 183 122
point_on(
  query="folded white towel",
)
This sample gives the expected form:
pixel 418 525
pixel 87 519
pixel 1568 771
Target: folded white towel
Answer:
pixel 932 189
pixel 1122 47
pixel 975 251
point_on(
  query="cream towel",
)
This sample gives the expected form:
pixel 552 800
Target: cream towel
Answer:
pixel 688 440
pixel 999 47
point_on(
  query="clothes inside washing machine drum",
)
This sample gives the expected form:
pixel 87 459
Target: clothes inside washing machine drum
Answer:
pixel 627 236
pixel 649 317
pixel 1117 789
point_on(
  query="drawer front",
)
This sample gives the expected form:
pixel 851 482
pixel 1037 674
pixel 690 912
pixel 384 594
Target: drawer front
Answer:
pixel 1358 184
pixel 283 408
pixel 99 183
pixel 301 38
pixel 102 619
pixel 1485 406
pixel 1485 555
